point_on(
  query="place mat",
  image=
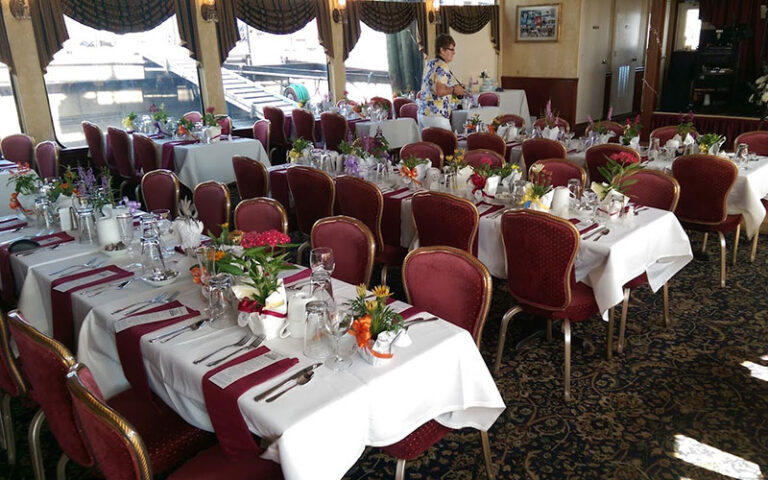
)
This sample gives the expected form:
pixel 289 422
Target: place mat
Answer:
pixel 11 224
pixel 492 209
pixel 61 298
pixel 234 437
pixel 167 158
pixel 6 274
pixel 129 344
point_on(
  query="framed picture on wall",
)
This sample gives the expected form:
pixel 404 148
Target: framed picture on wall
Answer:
pixel 538 23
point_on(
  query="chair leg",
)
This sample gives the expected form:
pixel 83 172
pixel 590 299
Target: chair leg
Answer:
pixel 35 449
pixel 6 421
pixel 704 243
pixel 567 380
pixel 61 467
pixel 400 469
pixel 487 454
pixel 665 294
pixel 300 252
pixel 754 247
pixel 549 330
pixel 609 335
pixel 722 259
pixel 383 278
pixel 623 322
pixel 503 333
pixel 736 243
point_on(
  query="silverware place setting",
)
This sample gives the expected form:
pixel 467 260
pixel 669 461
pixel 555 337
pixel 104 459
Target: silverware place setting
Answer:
pixel 292 378
pixel 594 232
pixel 87 264
pixel 156 298
pixel 253 342
pixel 162 301
pixel 112 286
pixel 603 233
pixel 301 380
pixel 237 344
pixel 168 336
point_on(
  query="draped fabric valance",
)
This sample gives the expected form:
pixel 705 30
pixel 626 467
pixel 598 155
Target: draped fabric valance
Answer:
pixel 50 30
pixel 386 17
pixel 471 19
pixel 5 48
pixel 119 16
pixel 185 19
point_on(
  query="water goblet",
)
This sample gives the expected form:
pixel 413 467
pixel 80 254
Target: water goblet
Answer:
pixel 742 155
pixel 321 258
pixel 315 334
pixel 338 324
pixel 163 216
pixel 574 187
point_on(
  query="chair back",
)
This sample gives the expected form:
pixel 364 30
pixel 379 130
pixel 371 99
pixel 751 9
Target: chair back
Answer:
pixel 335 129
pixel 261 214
pixel 303 124
pixel 614 127
pixel 598 156
pixel 116 446
pixel 96 144
pixel 410 110
pixel 384 101
pixel 277 118
pixel 536 149
pixel 194 116
pixel 144 153
pixel 160 189
pixel 441 137
pixel 251 176
pixel 561 170
pixel 398 102
pixel 511 117
pixel 361 199
pixel 666 133
pixel 212 205
pixel 18 148
pixel 46 363
pixel 476 158
pixel 313 193
pixel 353 246
pixel 486 141
pixel 705 181
pixel 757 141
pixel 446 220
pixel 226 125
pixel 541 249
pixel 47 159
pixel 451 284
pixel 653 188
pixel 120 146
pixel 488 99
pixel 261 129
pixel 428 150
pixel 11 380
pixel 559 122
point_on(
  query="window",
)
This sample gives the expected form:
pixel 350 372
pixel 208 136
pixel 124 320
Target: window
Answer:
pixel 280 70
pixel 692 29
pixel 9 122
pixel 102 76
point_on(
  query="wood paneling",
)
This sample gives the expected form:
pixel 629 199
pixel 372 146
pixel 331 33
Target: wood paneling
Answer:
pixel 562 91
pixel 637 96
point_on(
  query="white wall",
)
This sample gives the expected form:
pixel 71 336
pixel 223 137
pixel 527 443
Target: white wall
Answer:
pixel 474 53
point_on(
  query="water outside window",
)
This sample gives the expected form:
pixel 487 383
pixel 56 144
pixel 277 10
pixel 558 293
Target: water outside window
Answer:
pixel 9 122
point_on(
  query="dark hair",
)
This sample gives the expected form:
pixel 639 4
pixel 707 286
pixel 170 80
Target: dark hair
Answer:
pixel 443 41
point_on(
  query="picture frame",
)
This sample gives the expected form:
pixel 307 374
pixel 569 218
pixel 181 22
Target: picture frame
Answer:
pixel 538 23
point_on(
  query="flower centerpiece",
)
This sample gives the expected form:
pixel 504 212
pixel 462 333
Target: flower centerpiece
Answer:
pixel 413 170
pixel 685 125
pixel 128 121
pixel 186 128
pixel 160 117
pixel 211 126
pixel 710 143
pixel 375 326
pixel 599 127
pixel 473 123
pixel 98 188
pixel 619 167
pixel 550 116
pixel 456 161
pixel 631 136
pixel 760 97
pixel 26 184
pixel 301 149
pixel 538 191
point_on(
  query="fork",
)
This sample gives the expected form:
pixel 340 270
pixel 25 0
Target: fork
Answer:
pixel 156 298
pixel 167 337
pixel 84 265
pixel 81 267
pixel 252 342
pixel 163 301
pixel 238 343
pixel 118 286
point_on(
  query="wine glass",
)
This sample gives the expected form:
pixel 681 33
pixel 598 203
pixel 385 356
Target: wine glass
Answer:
pixel 321 258
pixel 574 187
pixel 163 216
pixel 338 324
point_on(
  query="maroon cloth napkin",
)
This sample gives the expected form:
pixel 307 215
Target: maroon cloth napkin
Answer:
pixel 9 290
pixel 234 437
pixel 390 217
pixel 11 224
pixel 167 161
pixel 61 302
pixel 129 346
pixel 411 312
pixel 290 279
pixel 583 230
pixel 494 208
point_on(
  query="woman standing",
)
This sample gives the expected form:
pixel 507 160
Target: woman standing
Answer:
pixel 438 85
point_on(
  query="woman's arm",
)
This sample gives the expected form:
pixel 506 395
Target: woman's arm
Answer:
pixel 442 89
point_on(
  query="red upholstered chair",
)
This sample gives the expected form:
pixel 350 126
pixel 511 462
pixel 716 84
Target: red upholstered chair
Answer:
pixel 361 199
pixel 251 176
pixel 511 117
pixel 277 133
pixel 47 159
pixel 614 127
pixel 666 133
pixel 160 189
pixel 144 153
pixel 193 116
pixel 705 182
pixel 96 144
pixel 536 149
pixel 261 131
pixel 386 101
pixel 122 453
pixel 212 204
pixel 46 363
pixel 597 157
pixel 261 214
pixel 487 141
pixel 443 138
pixel 226 125
pixel 757 141
pixel 561 170
pixel 559 122
pixel 424 150
pixel 353 246
pixel 398 102
pixel 18 148
pixel 443 219
pixel 455 286
pixel 12 385
pixel 303 124
pixel 120 145
pixel 410 110
pixel 541 249
pixel 488 99
pixel 313 194
pixel 335 129
pixel 475 158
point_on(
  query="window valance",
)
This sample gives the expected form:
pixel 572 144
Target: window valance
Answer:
pixel 119 16
pixel 386 17
pixel 471 19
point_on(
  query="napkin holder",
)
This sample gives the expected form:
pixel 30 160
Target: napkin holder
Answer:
pixel 271 321
pixel 379 351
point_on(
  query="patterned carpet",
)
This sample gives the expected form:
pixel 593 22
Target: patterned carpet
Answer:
pixel 655 412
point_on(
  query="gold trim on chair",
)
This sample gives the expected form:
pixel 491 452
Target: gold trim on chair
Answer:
pixel 228 205
pixel 267 201
pixel 7 352
pixel 362 227
pixel 176 184
pixel 260 166
pixel 456 200
pixel 56 151
pixel 431 144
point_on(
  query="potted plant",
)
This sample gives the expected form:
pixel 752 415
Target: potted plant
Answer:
pixel 375 325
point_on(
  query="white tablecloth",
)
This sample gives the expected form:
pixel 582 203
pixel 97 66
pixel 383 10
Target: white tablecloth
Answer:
pixel 516 102
pixel 398 132
pixel 486 114
pixel 200 162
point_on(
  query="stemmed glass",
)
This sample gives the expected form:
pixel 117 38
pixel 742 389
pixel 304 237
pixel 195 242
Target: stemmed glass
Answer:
pixel 338 324
pixel 163 216
pixel 321 258
pixel 574 187
pixel 742 155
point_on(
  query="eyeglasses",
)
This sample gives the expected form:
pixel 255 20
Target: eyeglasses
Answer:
pixel 451 49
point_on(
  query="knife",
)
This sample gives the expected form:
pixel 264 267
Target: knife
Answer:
pixel 296 375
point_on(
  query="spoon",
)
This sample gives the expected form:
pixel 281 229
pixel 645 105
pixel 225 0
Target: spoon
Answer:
pixel 602 234
pixel 302 380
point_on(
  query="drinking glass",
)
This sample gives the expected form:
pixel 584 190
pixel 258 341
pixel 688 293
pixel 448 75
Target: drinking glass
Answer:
pixel 590 202
pixel 206 260
pixel 152 263
pixel 450 182
pixel 742 155
pixel 321 258
pixel 126 231
pixel 163 216
pixel 321 286
pixel 315 338
pixel 219 307
pixel 654 149
pixel 338 325
pixel 574 187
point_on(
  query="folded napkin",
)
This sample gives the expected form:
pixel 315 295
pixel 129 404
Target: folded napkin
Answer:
pixel 390 217
pixel 11 224
pixel 296 277
pixel 581 228
pixel 492 209
pixel 411 312
pixel 129 345
pixel 167 161
pixel 234 437
pixel 9 291
pixel 61 298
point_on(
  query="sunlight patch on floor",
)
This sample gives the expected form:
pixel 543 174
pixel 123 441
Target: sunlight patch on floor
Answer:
pixel 710 458
pixel 757 371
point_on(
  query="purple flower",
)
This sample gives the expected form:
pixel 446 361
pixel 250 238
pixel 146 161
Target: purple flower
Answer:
pixel 132 206
pixel 589 119
pixel 351 166
pixel 610 113
pixel 104 183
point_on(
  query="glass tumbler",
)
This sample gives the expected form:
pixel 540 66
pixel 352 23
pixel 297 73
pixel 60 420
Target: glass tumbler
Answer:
pixel 316 342
pixel 219 301
pixel 742 155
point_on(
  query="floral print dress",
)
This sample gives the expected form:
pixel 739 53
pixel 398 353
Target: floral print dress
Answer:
pixel 430 104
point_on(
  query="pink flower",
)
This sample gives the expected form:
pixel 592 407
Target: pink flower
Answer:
pixel 210 109
pixel 624 158
pixel 261 239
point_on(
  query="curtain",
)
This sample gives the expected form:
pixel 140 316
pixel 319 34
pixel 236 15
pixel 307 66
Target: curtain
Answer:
pixel 386 17
pixel 119 16
pixel 405 61
pixel 50 30
pixel 185 18
pixel 5 48
pixel 746 13
pixel 471 19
